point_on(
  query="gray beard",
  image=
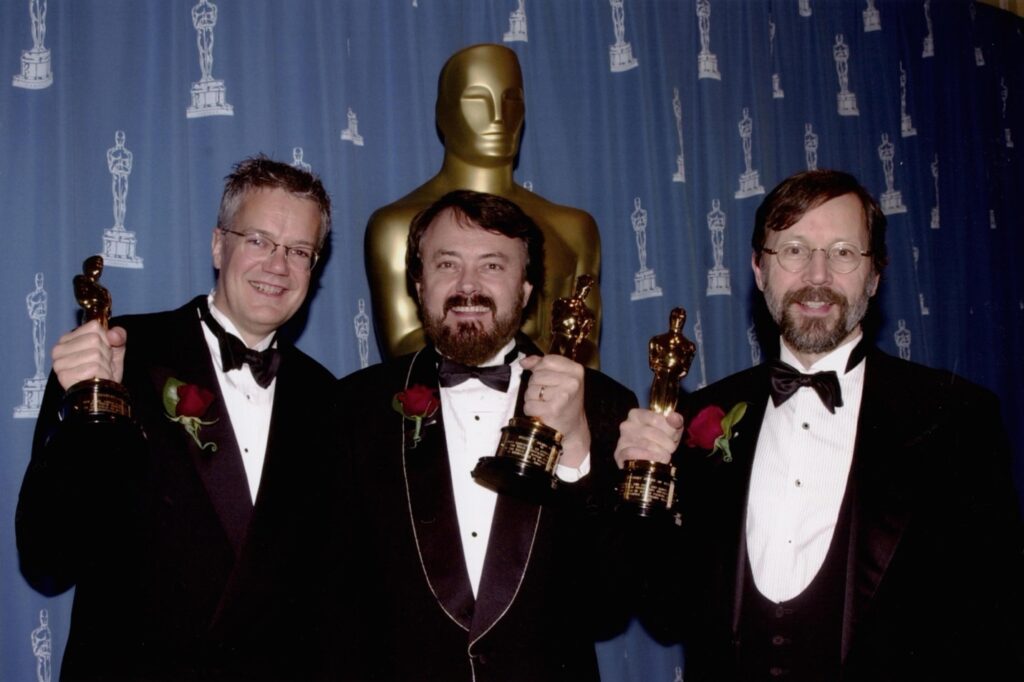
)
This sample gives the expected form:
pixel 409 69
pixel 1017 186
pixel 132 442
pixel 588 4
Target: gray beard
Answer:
pixel 816 336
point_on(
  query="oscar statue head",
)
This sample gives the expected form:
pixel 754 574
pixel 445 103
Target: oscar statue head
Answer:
pixel 480 109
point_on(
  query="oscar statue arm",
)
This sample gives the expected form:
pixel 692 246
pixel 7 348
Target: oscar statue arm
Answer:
pixel 395 316
pixel 590 263
pixel 572 247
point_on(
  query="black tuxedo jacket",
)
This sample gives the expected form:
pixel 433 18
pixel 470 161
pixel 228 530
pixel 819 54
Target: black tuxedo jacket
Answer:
pixel 933 573
pixel 177 574
pixel 544 593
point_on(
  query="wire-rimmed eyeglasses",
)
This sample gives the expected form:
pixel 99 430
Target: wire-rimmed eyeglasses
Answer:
pixel 842 257
pixel 260 245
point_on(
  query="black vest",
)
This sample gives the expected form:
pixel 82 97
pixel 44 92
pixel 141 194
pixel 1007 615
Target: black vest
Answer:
pixel 799 639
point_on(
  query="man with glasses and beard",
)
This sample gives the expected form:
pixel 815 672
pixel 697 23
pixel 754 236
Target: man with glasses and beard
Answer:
pixel 461 582
pixel 857 521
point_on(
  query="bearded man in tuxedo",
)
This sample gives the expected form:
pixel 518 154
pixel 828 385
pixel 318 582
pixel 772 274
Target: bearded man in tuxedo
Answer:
pixel 845 514
pixel 464 583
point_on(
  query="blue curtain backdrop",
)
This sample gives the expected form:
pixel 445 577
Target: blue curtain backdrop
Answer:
pixel 666 120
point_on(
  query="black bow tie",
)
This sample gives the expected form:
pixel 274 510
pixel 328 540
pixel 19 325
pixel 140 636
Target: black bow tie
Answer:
pixel 233 353
pixel 786 380
pixel 454 373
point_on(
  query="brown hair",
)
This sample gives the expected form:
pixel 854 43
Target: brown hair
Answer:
pixel 802 192
pixel 492 213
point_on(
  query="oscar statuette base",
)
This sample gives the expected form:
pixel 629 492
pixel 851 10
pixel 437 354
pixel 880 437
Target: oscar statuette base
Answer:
pixel 97 401
pixel 647 489
pixel 525 461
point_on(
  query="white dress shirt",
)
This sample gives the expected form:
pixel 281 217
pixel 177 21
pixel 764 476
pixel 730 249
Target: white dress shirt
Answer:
pixel 799 477
pixel 474 415
pixel 249 404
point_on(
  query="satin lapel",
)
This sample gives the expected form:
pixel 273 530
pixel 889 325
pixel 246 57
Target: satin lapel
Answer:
pixel 513 533
pixel 743 446
pixel 221 470
pixel 882 482
pixel 288 423
pixel 432 502
pixel 255 565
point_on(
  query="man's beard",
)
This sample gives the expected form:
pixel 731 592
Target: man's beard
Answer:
pixel 469 343
pixel 816 335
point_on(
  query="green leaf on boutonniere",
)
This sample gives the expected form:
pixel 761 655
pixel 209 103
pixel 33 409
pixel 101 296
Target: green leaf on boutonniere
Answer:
pixel 170 395
pixel 185 404
pixel 728 422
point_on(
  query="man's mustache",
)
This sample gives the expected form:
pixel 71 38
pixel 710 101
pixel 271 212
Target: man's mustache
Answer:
pixel 461 300
pixel 814 295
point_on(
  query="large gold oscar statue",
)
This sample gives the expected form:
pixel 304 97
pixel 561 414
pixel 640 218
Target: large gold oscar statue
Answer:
pixel 480 115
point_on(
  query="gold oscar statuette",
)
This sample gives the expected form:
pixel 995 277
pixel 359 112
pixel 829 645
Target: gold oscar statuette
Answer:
pixel 95 400
pixel 648 488
pixel 524 464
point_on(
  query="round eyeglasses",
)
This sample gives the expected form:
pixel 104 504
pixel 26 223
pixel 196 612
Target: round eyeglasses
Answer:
pixel 842 257
pixel 261 246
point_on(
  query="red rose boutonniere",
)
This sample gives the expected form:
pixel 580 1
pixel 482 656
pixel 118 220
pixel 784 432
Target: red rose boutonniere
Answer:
pixel 416 403
pixel 711 429
pixel 185 404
